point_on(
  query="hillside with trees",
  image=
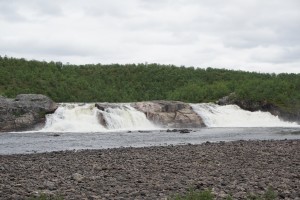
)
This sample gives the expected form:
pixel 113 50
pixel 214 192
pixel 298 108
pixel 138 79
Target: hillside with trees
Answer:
pixel 140 82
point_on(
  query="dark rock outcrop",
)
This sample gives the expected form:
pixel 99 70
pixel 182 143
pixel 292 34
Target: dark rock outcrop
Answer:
pixel 263 105
pixel 172 114
pixel 25 112
pixel 104 106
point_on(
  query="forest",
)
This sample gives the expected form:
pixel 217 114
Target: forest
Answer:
pixel 141 82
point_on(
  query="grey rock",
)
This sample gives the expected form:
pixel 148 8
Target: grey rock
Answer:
pixel 184 131
pixel 77 177
pixel 172 114
pixel 49 185
pixel 25 112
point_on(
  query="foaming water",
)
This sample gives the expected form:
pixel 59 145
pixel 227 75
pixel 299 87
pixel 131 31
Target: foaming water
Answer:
pixel 76 117
pixel 126 117
pixel 71 117
pixel 233 116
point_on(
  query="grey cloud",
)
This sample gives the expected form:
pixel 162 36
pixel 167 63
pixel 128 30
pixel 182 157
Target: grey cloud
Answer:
pixel 278 56
pixel 8 12
pixel 18 10
pixel 43 48
pixel 50 8
pixel 104 8
pixel 182 32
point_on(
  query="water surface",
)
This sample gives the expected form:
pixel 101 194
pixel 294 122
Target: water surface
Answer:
pixel 32 142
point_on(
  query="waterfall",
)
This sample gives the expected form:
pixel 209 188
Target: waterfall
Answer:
pixel 72 117
pixel 233 116
pixel 76 117
pixel 126 117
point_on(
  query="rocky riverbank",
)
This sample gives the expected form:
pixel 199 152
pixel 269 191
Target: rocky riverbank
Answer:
pixel 237 168
pixel 25 112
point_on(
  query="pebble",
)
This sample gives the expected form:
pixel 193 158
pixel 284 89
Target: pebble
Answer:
pixel 236 168
pixel 77 177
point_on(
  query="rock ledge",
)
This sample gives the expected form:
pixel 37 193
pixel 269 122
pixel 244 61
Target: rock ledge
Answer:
pixel 171 114
pixel 25 112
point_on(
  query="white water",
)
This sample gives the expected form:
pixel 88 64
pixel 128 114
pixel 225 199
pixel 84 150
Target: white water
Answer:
pixel 126 117
pixel 84 118
pixel 233 116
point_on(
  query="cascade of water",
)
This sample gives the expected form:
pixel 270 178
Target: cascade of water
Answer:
pixel 73 118
pixel 126 117
pixel 85 118
pixel 233 116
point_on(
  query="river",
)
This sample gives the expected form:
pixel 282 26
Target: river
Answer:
pixel 75 127
pixel 33 142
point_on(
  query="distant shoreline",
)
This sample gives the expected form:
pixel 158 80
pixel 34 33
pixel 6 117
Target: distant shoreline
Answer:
pixel 238 168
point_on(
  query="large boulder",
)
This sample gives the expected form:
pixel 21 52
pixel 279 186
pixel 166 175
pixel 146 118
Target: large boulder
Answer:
pixel 171 114
pixel 25 112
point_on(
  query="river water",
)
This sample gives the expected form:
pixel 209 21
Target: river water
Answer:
pixel 32 142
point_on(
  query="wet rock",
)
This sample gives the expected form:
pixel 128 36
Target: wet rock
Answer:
pixel 144 131
pixel 172 130
pixel 185 131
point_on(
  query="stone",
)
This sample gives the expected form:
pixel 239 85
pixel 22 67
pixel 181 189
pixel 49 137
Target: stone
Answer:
pixel 49 185
pixel 171 114
pixel 94 197
pixel 77 177
pixel 156 172
pixel 25 112
pixel 184 131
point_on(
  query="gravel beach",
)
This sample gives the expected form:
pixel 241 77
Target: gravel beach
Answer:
pixel 238 168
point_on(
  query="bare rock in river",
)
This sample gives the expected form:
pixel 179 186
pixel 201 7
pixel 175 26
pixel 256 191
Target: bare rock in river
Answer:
pixel 25 112
pixel 170 113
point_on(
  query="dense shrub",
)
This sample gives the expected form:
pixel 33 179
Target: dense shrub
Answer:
pixel 137 82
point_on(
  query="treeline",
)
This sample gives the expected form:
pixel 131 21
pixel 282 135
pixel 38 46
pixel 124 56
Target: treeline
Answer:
pixel 140 82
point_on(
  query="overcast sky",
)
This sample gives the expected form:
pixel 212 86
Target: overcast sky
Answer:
pixel 251 35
